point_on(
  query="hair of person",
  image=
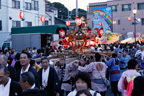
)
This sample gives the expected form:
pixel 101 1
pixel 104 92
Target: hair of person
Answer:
pixel 4 68
pixel 97 56
pixel 39 51
pixel 138 86
pixel 86 92
pixel 28 77
pixel 17 56
pixel 114 55
pixel 34 48
pixel 32 62
pixel 132 64
pixel 28 54
pixel 5 51
pixel 44 58
pixel 60 42
pixel 99 45
pixel 84 77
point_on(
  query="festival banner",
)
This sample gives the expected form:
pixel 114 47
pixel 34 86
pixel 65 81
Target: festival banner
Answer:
pixel 102 18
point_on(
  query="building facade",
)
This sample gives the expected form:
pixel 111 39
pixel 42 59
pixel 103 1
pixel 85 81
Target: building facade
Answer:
pixel 121 10
pixel 33 10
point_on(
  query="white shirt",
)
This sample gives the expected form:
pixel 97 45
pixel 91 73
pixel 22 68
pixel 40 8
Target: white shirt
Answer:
pixel 33 86
pixel 73 93
pixel 5 90
pixel 7 65
pixel 26 70
pixel 45 75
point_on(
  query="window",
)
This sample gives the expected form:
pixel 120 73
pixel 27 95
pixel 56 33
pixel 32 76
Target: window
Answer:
pixel 142 21
pixel 0 25
pixel 118 22
pixel 15 4
pixel 114 8
pixel 126 7
pixel 140 6
pixel 0 4
pixel 34 5
pixel 46 22
pixel 27 6
pixel 16 23
pixel 28 24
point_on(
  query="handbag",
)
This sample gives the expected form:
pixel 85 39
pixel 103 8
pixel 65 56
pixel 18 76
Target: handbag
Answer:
pixel 105 80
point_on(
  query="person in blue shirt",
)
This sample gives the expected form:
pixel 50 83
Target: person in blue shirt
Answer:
pixel 124 61
pixel 115 73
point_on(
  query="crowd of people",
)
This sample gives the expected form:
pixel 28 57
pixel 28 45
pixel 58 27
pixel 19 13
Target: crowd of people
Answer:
pixel 21 74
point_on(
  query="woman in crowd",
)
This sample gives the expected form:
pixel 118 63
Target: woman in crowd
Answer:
pixel 98 74
pixel 127 76
pixel 83 81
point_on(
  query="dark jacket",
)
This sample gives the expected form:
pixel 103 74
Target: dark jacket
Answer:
pixel 53 82
pixel 31 69
pixel 13 72
pixel 34 92
pixel 15 89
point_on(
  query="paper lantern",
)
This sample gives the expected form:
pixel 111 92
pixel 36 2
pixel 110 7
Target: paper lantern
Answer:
pixel 101 24
pixel 114 22
pixel 42 19
pixel 87 33
pixel 101 32
pixel 92 43
pixel 62 33
pixel 21 15
pixel 78 21
pixel 67 23
pixel 129 18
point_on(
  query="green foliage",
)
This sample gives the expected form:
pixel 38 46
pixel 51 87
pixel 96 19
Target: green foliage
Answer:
pixel 63 11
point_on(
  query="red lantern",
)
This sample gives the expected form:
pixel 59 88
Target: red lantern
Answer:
pixel 42 19
pixel 129 18
pixel 67 23
pixel 87 33
pixel 101 24
pixel 21 15
pixel 114 22
pixel 101 32
pixel 62 33
pixel 92 43
pixel 78 21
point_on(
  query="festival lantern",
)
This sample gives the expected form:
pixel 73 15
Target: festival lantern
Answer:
pixel 67 23
pixel 129 18
pixel 78 21
pixel 21 15
pixel 62 33
pixel 114 22
pixel 92 43
pixel 87 33
pixel 101 24
pixel 101 32
pixel 42 19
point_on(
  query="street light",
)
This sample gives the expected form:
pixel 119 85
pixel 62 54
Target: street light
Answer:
pixel 134 12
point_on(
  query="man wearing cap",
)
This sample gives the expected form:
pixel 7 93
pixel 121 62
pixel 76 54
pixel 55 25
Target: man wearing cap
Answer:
pixel 49 80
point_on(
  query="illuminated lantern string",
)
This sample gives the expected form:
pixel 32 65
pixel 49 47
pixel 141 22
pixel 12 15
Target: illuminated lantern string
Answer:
pixel 42 19
pixel 21 15
pixel 67 23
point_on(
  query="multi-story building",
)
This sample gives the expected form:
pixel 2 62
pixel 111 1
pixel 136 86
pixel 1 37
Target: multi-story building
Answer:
pixel 33 10
pixel 122 9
